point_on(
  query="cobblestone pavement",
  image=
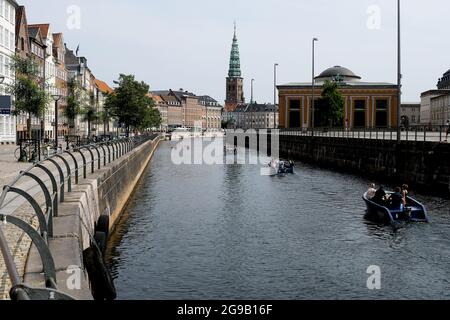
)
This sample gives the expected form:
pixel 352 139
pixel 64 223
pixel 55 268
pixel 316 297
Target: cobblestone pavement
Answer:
pixel 19 242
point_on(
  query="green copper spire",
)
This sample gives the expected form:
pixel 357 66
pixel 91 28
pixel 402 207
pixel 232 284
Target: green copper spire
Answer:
pixel 235 62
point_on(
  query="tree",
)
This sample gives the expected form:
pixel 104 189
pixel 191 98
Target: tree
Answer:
pixel 151 118
pixel 331 105
pixel 73 108
pixel 105 117
pixel 30 96
pixel 131 105
pixel 90 115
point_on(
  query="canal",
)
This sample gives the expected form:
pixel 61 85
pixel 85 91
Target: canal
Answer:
pixel 227 232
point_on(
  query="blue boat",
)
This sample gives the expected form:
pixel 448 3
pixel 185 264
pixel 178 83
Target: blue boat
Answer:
pixel 414 212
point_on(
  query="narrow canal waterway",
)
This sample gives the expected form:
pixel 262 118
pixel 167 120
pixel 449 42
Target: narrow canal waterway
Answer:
pixel 226 232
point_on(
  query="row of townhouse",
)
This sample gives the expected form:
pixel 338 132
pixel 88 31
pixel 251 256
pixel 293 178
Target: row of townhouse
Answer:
pixel 185 109
pixel 56 64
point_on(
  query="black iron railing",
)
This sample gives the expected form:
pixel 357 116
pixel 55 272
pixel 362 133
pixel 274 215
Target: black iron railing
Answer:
pixel 67 166
pixel 414 133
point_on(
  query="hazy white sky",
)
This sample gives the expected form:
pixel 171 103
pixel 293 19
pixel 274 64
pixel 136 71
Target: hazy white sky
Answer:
pixel 186 44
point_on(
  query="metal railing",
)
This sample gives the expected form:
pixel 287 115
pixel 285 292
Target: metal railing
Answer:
pixel 54 194
pixel 414 133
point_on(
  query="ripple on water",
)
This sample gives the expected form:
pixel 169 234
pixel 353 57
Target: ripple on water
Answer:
pixel 225 232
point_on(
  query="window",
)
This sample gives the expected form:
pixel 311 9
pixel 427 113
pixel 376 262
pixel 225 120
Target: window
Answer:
pixel 359 119
pixel 1 35
pixel 294 114
pixel 11 41
pixel 381 116
pixel 7 70
pixel 6 42
pixel 22 44
pixel 12 15
pixel 7 11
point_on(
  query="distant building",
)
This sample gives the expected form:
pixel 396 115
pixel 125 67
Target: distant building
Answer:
pixel 440 109
pixel 367 104
pixel 23 50
pixel 101 90
pixel 213 115
pixel 59 53
pixel 174 111
pixel 444 82
pixel 49 76
pixel 37 49
pixel 410 114
pixel 77 68
pixel 185 109
pixel 7 50
pixel 253 116
pixel 234 81
pixel 163 109
pixel 435 104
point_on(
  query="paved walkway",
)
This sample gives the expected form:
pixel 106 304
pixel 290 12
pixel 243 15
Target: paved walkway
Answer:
pixel 17 206
pixel 9 167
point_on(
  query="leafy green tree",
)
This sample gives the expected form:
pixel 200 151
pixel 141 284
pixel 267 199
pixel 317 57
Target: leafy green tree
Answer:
pixel 74 102
pixel 131 105
pixel 105 118
pixel 331 105
pixel 89 115
pixel 30 97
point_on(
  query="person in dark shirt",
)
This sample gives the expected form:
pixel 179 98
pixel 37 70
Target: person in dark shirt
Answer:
pixel 397 199
pixel 379 196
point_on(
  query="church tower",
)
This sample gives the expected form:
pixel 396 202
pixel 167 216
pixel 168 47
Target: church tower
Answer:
pixel 235 82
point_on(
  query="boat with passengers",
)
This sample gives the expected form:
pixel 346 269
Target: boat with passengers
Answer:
pixel 414 211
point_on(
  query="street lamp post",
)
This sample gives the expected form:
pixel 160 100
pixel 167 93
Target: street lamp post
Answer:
pixel 399 74
pixel 56 97
pixel 313 81
pixel 275 95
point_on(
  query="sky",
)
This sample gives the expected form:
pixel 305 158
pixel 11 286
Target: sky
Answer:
pixel 186 43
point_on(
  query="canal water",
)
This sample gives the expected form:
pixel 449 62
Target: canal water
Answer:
pixel 227 232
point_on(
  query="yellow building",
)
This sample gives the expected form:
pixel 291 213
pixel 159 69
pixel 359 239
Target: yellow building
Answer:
pixel 367 104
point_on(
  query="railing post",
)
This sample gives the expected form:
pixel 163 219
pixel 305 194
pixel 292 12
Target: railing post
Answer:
pixel 69 174
pixel 84 162
pixel 61 178
pixel 76 165
pixel 54 185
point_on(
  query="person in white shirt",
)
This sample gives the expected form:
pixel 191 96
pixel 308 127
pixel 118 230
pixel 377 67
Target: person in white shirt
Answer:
pixel 371 191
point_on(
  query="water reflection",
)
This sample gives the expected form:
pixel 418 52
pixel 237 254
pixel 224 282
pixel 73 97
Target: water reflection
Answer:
pixel 226 232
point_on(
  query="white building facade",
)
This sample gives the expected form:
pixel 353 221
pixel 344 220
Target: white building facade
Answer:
pixel 7 51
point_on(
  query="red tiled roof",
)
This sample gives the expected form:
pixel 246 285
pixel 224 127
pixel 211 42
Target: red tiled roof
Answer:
pixel 44 28
pixel 103 86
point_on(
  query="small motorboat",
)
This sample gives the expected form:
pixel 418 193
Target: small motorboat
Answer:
pixel 414 212
pixel 280 166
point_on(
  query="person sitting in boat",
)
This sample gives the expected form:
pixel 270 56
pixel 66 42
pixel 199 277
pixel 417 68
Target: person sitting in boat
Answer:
pixel 380 196
pixel 397 199
pixel 371 191
pixel 405 191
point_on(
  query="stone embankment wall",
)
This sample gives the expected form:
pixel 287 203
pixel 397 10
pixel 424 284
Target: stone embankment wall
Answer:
pixel 106 191
pixel 424 165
